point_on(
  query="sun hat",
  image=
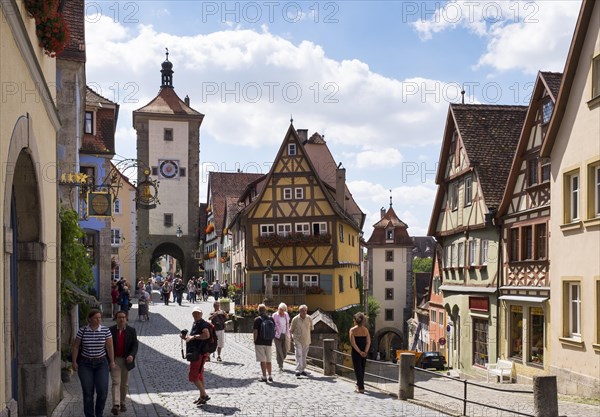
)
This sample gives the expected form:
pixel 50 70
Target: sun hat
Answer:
pixel 197 310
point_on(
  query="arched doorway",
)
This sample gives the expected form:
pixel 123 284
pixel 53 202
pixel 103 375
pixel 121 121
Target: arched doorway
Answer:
pixel 386 342
pixel 172 250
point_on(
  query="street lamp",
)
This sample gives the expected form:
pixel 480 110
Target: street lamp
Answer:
pixel 179 232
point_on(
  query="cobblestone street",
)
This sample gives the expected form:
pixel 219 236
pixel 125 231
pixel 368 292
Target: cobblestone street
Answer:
pixel 159 386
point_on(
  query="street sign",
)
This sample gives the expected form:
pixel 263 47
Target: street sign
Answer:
pixel 442 341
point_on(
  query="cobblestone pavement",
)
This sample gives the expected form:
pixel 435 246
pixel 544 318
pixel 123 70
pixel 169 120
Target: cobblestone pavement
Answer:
pixel 159 387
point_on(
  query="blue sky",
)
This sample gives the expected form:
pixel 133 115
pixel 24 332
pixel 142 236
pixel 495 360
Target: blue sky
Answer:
pixel 374 77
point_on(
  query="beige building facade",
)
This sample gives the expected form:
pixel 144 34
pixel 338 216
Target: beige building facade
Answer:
pixel 574 150
pixel 29 271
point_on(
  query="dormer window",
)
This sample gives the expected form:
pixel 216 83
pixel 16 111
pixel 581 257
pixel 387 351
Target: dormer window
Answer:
pixel 389 234
pixel 89 122
pixel 291 149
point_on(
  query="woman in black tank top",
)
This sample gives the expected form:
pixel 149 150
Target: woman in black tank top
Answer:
pixel 360 339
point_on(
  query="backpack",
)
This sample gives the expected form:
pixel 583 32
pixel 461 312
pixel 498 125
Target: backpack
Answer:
pixel 267 329
pixel 210 344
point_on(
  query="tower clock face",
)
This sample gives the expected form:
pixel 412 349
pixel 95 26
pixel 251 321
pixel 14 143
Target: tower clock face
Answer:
pixel 168 168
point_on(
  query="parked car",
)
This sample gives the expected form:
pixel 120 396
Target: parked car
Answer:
pixel 432 360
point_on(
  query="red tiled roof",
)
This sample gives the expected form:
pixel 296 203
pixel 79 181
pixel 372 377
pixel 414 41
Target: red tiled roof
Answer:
pixel 390 219
pixel 222 185
pixel 168 102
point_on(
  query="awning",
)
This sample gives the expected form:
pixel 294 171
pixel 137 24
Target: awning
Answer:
pixel 523 298
pixel 80 294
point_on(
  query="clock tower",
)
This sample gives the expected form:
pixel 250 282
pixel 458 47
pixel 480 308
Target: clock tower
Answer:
pixel 168 142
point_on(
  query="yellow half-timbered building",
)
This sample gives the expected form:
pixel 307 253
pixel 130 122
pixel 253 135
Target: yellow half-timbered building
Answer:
pixel 302 218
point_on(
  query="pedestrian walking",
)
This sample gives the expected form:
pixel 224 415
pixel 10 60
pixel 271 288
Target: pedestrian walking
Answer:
pixel 191 287
pixel 264 332
pixel 125 346
pixel 166 292
pixel 218 318
pixel 194 340
pixel 216 289
pixel 143 302
pixel 204 285
pixel 114 293
pixel 93 357
pixel 360 340
pixel 124 300
pixel 178 291
pixel 300 329
pixel 282 334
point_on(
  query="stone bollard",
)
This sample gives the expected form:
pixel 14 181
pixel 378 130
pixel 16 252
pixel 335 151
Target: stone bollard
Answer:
pixel 329 357
pixel 406 376
pixel 545 396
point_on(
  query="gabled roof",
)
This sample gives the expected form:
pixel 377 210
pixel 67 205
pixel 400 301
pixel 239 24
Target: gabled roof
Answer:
pixel 324 165
pixel 222 185
pixel 571 66
pixel 167 102
pixel 489 134
pixel 107 114
pixel 390 220
pixel 545 82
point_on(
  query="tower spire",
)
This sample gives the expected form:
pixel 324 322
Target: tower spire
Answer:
pixel 390 198
pixel 167 72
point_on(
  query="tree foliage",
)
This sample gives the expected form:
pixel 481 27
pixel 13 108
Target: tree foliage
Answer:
pixel 75 265
pixel 344 320
pixel 422 265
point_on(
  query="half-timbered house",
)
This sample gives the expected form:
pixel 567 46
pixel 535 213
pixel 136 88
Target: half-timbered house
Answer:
pixel 477 150
pixel 524 213
pixel 302 218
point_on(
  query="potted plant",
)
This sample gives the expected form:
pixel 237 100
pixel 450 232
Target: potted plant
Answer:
pixel 225 304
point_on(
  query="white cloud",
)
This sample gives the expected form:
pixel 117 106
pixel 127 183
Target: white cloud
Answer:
pixel 381 158
pixel 526 36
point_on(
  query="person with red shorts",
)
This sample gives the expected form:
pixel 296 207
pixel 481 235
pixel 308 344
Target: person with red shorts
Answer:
pixel 197 335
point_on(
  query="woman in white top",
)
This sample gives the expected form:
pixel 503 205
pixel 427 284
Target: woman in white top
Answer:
pixel 282 333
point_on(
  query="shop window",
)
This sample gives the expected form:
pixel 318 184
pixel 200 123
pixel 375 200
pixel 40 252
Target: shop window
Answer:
pixel 536 335
pixel 516 332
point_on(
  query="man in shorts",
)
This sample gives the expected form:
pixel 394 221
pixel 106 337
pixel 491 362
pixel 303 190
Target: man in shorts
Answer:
pixel 198 333
pixel 262 345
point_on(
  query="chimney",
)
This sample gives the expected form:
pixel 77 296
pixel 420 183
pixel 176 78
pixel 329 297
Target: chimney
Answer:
pixel 187 100
pixel 382 211
pixel 302 134
pixel 340 186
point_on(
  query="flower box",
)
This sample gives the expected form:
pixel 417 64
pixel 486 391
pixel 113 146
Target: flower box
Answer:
pixel 293 239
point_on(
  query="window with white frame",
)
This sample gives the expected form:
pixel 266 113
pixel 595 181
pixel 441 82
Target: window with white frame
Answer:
pixel 303 228
pixel 468 190
pixel 452 255
pixel 287 193
pixel 319 228
pixel 291 280
pixel 115 274
pixel 389 234
pixel 115 237
pixel 299 193
pixel 89 122
pixel 284 229
pixel 267 229
pixel 117 206
pixel 291 149
pixel 483 252
pixel 472 252
pixel 596 76
pixel 572 197
pixel 341 232
pixel 574 312
pixel 310 280
pixel 461 254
